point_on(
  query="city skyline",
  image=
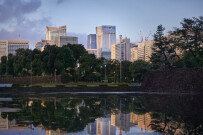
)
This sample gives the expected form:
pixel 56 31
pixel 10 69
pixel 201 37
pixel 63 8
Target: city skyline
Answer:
pixel 27 19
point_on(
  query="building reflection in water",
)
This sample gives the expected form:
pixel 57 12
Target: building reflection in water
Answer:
pixel 119 121
pixel 8 125
pixel 55 132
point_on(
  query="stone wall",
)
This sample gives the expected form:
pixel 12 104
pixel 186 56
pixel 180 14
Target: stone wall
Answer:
pixel 27 79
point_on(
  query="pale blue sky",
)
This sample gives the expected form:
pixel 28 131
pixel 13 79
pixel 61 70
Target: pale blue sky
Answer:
pixel 82 16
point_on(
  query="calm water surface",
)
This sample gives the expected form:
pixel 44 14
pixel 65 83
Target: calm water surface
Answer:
pixel 98 114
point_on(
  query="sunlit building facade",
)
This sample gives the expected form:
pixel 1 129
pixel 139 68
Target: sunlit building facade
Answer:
pixel 10 46
pixel 52 33
pixel 121 50
pixel 56 36
pixel 106 37
pixel 92 51
pixel 134 53
pixel 148 49
pixel 145 50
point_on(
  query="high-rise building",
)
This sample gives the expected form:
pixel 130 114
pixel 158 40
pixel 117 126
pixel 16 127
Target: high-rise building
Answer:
pixel 106 37
pixel 53 33
pixel 64 40
pixel 141 51
pixel 56 36
pixel 134 53
pixel 104 127
pixel 92 128
pixel 145 50
pixel 91 41
pixel 121 50
pixel 148 49
pixel 10 46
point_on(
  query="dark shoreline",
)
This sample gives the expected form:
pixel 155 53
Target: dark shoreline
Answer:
pixel 104 90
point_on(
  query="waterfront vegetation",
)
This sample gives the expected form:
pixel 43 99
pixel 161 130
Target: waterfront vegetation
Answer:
pixel 72 113
pixel 77 84
pixel 74 64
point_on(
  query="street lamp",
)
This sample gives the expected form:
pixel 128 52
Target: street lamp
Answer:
pixel 120 71
pixel 105 71
pixel 31 68
pixel 55 74
pixel 114 76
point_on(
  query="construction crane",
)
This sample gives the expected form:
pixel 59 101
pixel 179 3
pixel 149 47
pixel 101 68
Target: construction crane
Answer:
pixel 147 38
pixel 141 37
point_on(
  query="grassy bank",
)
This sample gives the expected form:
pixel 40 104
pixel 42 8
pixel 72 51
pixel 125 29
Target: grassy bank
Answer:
pixel 78 84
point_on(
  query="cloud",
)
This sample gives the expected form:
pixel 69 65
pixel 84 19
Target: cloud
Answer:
pixel 60 1
pixel 17 8
pixel 11 30
pixel 14 21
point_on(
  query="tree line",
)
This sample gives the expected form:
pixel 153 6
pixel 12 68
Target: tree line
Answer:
pixel 181 48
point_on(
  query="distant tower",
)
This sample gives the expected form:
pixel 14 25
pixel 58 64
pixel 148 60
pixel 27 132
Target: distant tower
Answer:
pixel 106 37
pixel 91 41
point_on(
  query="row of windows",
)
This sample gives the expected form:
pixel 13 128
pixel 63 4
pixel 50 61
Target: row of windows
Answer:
pixel 17 47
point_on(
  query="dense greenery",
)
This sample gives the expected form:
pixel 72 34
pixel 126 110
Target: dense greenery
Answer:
pixel 72 62
pixel 181 48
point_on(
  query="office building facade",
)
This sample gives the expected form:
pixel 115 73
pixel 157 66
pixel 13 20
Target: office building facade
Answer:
pixel 106 37
pixel 134 53
pixel 10 46
pixel 91 41
pixel 65 40
pixel 53 33
pixel 145 50
pixel 121 50
pixel 56 36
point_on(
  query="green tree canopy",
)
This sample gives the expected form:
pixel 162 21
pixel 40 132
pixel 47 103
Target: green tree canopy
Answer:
pixel 138 69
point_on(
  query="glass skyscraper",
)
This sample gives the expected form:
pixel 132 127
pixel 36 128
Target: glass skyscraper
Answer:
pixel 106 37
pixel 91 41
pixel 53 33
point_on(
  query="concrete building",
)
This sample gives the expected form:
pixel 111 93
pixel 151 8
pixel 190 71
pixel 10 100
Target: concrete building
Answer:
pixel 92 128
pixel 121 121
pixel 141 51
pixel 121 50
pixel 91 41
pixel 92 51
pixel 106 37
pixel 42 43
pixel 52 33
pixel 64 40
pixel 10 46
pixel 134 53
pixel 56 36
pixel 104 127
pixel 145 50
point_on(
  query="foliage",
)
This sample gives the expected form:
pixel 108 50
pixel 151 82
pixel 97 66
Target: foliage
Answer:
pixel 90 68
pixel 163 52
pixel 3 65
pixel 138 69
pixel 190 41
pixel 182 48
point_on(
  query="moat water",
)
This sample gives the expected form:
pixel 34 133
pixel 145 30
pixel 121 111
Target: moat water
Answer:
pixel 100 114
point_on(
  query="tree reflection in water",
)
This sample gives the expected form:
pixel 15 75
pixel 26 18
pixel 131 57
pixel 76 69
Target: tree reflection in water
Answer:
pixel 180 114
